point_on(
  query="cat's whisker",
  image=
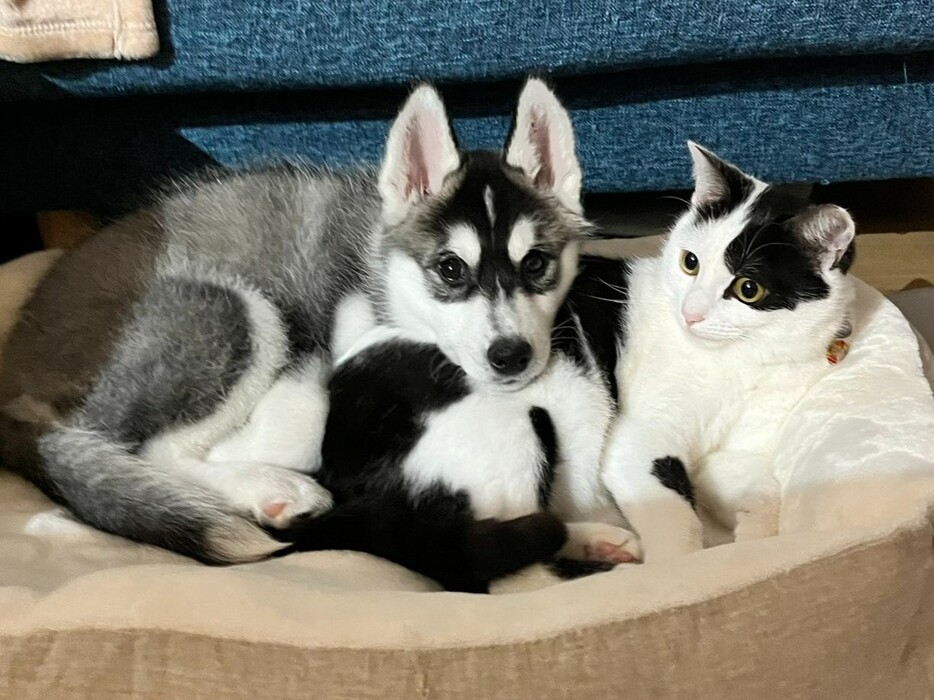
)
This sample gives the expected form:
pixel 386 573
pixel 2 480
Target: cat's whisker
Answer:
pixel 684 201
pixel 612 301
pixel 616 288
pixel 747 249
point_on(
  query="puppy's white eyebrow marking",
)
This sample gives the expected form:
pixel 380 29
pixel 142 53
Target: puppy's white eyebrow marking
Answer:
pixel 488 200
pixel 464 242
pixel 521 239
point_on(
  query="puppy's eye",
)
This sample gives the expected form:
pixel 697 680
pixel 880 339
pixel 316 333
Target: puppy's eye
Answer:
pixel 534 264
pixel 689 263
pixel 452 269
pixel 748 291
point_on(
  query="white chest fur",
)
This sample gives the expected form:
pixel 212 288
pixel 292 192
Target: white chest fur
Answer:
pixel 718 396
pixel 486 445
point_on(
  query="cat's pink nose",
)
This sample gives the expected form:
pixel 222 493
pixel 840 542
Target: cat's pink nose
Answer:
pixel 692 317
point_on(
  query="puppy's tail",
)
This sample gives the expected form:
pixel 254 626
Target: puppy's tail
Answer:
pixel 436 537
pixel 115 491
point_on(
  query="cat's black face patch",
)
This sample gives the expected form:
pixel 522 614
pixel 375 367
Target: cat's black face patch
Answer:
pixel 770 251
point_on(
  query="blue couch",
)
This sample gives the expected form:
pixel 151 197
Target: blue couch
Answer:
pixel 795 90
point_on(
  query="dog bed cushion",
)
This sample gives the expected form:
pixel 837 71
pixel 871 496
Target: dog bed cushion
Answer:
pixel 841 604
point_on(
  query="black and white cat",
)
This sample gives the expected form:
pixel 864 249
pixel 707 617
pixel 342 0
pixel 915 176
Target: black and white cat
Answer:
pixel 725 332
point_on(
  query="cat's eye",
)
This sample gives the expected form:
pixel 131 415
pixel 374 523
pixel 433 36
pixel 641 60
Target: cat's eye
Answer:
pixel 748 291
pixel 452 269
pixel 534 264
pixel 689 263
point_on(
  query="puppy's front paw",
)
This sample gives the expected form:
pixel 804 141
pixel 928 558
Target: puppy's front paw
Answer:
pixel 275 497
pixel 291 497
pixel 601 542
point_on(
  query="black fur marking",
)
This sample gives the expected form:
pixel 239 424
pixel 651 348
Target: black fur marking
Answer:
pixel 568 569
pixel 545 430
pixel 671 473
pixel 512 200
pixel 738 187
pixel 378 401
pixel 772 252
pixel 434 536
pixel 596 304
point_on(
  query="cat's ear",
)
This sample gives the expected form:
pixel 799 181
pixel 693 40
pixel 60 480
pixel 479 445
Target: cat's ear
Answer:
pixel 542 144
pixel 829 230
pixel 420 153
pixel 716 182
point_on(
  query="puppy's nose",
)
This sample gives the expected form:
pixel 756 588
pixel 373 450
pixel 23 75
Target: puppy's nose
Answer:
pixel 509 356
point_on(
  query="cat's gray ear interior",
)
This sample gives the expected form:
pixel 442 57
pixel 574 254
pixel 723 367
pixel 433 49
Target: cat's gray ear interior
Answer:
pixel 829 229
pixel 715 180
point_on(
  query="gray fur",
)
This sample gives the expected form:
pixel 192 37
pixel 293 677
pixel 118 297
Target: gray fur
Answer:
pixel 108 487
pixel 184 350
pixel 143 329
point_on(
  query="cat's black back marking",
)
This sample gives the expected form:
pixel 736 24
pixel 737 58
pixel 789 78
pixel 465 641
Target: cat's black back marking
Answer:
pixel 671 473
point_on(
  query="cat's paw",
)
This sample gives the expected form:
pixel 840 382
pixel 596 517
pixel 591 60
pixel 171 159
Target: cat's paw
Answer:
pixel 601 542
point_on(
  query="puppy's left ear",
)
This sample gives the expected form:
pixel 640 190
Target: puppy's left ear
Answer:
pixel 830 230
pixel 542 144
pixel 420 153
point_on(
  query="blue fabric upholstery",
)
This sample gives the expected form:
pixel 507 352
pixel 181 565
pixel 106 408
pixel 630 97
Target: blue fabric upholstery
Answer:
pixel 817 96
pixel 275 45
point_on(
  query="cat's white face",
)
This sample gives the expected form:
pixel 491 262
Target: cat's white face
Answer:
pixel 755 262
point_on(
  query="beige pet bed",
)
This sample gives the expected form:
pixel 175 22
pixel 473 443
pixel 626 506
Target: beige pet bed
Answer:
pixel 841 605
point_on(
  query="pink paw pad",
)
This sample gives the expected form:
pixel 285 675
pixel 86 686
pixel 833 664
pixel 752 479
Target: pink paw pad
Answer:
pixel 274 509
pixel 608 552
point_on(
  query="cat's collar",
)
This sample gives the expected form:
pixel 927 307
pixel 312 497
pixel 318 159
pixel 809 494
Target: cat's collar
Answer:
pixel 840 345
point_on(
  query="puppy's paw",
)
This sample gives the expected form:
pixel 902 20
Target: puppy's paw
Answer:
pixel 601 542
pixel 287 497
pixel 275 497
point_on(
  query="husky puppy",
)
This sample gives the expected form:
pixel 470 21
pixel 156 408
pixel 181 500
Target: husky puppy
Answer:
pixel 167 379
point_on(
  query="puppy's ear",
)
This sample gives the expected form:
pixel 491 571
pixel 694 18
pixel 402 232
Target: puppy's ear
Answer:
pixel 420 153
pixel 542 144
